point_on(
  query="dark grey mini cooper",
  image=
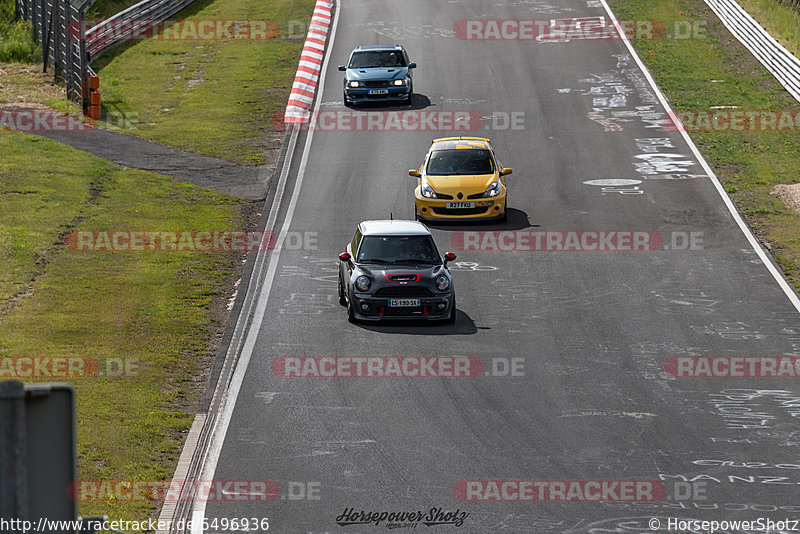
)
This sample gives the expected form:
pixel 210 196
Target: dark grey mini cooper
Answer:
pixel 393 270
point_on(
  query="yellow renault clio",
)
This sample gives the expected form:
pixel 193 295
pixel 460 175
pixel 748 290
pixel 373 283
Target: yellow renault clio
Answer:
pixel 460 180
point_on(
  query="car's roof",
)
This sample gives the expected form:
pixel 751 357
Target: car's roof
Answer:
pixel 364 48
pixel 468 143
pixel 393 227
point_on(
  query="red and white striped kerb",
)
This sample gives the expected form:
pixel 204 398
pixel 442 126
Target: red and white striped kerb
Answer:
pixel 298 109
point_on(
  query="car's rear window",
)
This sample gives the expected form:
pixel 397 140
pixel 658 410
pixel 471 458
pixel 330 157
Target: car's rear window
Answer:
pixel 386 58
pixel 398 249
pixel 460 161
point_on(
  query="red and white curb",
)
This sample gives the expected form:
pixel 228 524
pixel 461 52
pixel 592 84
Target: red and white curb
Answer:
pixel 298 109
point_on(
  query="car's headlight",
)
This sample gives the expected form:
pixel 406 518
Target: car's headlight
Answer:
pixel 401 82
pixel 442 282
pixel 493 190
pixel 362 283
pixel 354 83
pixel 426 190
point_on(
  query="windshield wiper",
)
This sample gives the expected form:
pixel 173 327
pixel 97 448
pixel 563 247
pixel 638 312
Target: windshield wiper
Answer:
pixel 375 260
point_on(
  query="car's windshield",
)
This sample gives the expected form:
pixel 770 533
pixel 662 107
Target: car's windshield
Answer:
pixel 385 58
pixel 460 161
pixel 398 249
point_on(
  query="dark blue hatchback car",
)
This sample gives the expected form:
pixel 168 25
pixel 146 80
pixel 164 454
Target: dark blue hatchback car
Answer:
pixel 378 73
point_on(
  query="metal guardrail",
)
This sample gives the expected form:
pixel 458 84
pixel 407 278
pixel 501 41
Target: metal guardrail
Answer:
pixel 137 19
pixel 69 48
pixel 773 55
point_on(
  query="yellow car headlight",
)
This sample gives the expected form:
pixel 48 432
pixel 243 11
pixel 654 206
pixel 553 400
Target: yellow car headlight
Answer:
pixel 427 191
pixel 493 190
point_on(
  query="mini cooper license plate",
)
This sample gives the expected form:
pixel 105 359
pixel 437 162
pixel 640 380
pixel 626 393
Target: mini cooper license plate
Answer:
pixel 404 303
pixel 379 91
pixel 460 205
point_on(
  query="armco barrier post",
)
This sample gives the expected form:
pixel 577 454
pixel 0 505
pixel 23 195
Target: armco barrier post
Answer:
pixel 83 55
pixel 13 451
pixel 51 453
pixel 94 96
pixel 37 453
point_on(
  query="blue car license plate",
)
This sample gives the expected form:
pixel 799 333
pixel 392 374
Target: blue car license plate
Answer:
pixel 379 91
pixel 404 303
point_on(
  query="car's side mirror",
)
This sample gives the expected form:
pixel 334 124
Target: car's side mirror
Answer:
pixel 507 170
pixel 344 256
pixel 414 173
pixel 412 65
pixel 449 256
pixel 342 68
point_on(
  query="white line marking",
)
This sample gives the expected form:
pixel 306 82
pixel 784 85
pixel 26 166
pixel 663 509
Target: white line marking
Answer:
pixel 787 289
pixel 224 418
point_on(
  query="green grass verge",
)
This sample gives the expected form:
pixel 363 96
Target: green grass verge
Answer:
pixel 16 37
pixel 779 19
pixel 150 309
pixel 211 97
pixel 713 69
pixel 157 311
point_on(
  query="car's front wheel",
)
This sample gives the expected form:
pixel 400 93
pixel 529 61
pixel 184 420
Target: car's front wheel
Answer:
pixel 344 99
pixel 351 312
pixel 342 298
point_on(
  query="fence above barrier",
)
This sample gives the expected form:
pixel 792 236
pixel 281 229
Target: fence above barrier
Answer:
pixel 68 47
pixel 773 55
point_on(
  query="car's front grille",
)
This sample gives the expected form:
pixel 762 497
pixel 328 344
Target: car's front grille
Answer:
pixel 422 311
pixel 476 195
pixel 460 211
pixel 395 312
pixel 443 196
pixel 403 291
pixel 376 83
